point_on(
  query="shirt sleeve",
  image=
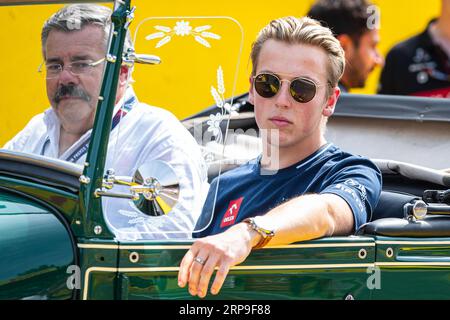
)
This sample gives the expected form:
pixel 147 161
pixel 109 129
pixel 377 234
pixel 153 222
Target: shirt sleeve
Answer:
pixel 18 142
pixel 30 136
pixel 358 182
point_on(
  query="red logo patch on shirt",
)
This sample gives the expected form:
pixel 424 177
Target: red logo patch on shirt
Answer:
pixel 230 216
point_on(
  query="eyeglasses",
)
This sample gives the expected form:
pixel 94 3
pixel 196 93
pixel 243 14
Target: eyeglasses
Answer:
pixel 76 68
pixel 301 89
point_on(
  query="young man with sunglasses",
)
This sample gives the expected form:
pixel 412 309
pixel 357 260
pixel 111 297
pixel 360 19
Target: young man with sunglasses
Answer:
pixel 74 42
pixel 314 190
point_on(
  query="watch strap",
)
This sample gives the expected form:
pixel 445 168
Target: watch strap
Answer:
pixel 263 242
pixel 266 235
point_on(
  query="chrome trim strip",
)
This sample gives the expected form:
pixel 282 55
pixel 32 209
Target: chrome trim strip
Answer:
pixel 250 267
pixel 418 264
pixel 180 247
pixel 97 246
pixel 413 242
pixel 323 245
pixel 150 247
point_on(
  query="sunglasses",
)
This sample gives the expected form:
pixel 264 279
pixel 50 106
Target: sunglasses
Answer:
pixel 301 89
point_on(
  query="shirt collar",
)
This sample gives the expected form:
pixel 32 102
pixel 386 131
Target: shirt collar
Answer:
pixel 129 92
pixel 50 118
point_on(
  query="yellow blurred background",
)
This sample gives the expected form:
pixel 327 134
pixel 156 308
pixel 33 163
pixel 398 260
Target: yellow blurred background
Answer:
pixel 23 91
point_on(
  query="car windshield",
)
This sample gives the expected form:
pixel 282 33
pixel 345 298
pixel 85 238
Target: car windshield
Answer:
pixel 173 67
pixel 185 60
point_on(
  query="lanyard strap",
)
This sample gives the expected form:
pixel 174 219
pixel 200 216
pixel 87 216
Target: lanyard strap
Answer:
pixel 120 114
pixel 83 148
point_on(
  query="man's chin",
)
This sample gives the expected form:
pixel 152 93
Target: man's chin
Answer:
pixel 281 142
pixel 362 83
pixel 363 80
pixel 358 84
pixel 73 109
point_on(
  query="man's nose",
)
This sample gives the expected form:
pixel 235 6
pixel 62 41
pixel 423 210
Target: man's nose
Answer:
pixel 66 76
pixel 379 59
pixel 283 97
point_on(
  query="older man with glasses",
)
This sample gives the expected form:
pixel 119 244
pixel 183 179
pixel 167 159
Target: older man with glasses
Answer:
pixel 314 190
pixel 74 42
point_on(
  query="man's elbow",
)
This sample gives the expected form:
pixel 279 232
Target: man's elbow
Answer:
pixel 338 217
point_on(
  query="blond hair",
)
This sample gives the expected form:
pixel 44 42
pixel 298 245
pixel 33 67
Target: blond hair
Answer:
pixel 303 31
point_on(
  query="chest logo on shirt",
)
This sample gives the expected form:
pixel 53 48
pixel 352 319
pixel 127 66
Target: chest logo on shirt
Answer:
pixel 231 214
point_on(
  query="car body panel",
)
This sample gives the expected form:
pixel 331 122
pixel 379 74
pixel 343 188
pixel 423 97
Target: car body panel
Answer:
pixel 62 201
pixel 412 268
pixel 35 251
pixel 98 272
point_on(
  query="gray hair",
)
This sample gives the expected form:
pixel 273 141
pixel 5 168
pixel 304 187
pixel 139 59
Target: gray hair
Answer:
pixel 75 17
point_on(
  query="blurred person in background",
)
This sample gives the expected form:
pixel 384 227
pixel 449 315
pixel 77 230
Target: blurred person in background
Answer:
pixel 420 65
pixel 350 21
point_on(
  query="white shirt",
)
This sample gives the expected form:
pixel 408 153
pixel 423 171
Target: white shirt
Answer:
pixel 144 134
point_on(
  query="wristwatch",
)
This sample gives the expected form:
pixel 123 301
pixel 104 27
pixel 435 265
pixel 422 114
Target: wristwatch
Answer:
pixel 266 233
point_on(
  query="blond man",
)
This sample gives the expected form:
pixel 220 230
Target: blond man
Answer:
pixel 315 190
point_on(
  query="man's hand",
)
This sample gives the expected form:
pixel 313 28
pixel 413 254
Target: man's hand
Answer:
pixel 223 250
pixel 303 218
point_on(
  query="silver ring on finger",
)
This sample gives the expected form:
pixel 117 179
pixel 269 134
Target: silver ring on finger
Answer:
pixel 200 260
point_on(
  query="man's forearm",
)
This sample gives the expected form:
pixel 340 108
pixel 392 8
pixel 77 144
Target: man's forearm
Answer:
pixel 308 217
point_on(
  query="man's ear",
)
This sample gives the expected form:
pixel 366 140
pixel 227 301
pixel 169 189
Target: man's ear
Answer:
pixel 123 75
pixel 331 102
pixel 347 44
pixel 251 97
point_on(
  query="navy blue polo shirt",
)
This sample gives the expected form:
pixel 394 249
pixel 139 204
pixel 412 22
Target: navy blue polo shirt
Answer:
pixel 245 192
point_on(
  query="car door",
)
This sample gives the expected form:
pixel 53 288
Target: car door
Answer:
pixel 329 268
pixel 414 268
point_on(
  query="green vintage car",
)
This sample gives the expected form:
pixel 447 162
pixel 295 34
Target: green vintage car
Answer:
pixel 55 242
